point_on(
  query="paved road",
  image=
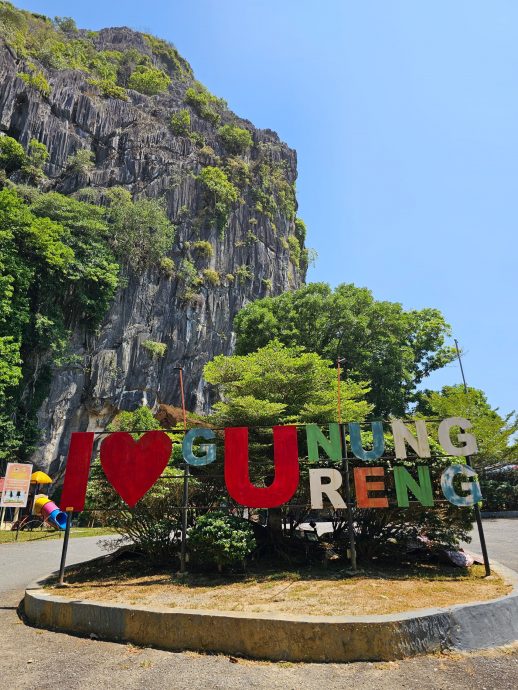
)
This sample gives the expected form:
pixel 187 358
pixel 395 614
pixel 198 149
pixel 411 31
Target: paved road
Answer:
pixel 501 541
pixel 45 660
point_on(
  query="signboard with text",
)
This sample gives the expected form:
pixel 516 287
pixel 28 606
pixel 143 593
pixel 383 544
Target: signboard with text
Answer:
pixel 17 482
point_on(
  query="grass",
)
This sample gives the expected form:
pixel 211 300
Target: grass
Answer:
pixel 310 590
pixel 7 537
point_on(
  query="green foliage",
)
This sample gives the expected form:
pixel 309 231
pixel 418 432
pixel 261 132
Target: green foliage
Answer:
pixel 204 103
pixel 500 490
pixel 66 24
pixel 221 539
pixel 221 193
pixel 235 139
pixel 294 250
pixel 277 384
pixel 37 156
pixel 181 122
pixel 36 80
pixel 300 231
pixel 238 171
pixel 392 349
pixel 167 53
pixel 155 349
pixel 149 80
pixel 274 193
pixel 12 154
pixel 211 277
pixel 167 266
pixel 140 231
pixel 493 432
pixel 109 89
pixel 243 273
pixel 81 162
pixel 203 248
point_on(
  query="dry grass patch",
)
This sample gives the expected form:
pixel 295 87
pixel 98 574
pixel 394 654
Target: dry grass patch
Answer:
pixel 313 591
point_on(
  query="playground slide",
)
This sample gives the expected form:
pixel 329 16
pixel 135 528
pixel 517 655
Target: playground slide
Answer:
pixel 49 511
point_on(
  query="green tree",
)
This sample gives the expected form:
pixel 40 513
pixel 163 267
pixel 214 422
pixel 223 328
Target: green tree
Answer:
pixel 236 139
pixel 278 384
pixel 140 231
pixel 493 432
pixel 12 154
pixel 392 349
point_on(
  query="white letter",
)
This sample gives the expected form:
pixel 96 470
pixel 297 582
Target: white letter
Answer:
pixel 470 442
pixel 317 490
pixel 402 433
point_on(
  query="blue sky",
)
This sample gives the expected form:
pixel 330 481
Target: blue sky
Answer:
pixel 404 115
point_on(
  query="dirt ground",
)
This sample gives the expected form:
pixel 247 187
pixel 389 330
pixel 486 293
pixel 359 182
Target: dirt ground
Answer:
pixel 307 591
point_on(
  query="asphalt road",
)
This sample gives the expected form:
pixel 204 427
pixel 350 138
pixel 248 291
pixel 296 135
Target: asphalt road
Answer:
pixel 31 658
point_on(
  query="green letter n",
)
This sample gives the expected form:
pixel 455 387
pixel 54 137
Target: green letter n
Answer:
pixel 332 446
pixel 405 482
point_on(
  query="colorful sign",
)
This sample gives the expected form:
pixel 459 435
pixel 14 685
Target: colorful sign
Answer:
pixel 17 483
pixel 132 467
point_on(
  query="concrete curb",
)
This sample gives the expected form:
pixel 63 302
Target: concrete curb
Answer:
pixel 286 637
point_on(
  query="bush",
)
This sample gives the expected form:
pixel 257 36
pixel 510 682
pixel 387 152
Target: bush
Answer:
pixel 81 162
pixel 155 349
pixel 294 250
pixel 221 192
pixel 36 80
pixel 212 277
pixel 203 248
pixel 221 540
pixel 12 154
pixel 236 139
pixel 243 273
pixel 149 80
pixel 167 266
pixel 181 122
pixel 204 103
pixel 109 89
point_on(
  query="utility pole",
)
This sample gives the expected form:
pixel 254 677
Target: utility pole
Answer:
pixel 345 470
pixel 185 506
pixel 478 516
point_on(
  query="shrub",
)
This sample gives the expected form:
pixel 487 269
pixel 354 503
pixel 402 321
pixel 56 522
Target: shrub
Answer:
pixel 204 103
pixel 236 139
pixel 149 80
pixel 37 156
pixel 155 349
pixel 243 273
pixel 167 266
pixel 221 540
pixel 181 122
pixel 221 192
pixel 294 250
pixel 12 154
pixel 81 162
pixel 109 89
pixel 212 277
pixel 203 248
pixel 36 80
pixel 197 139
pixel 300 231
pixel 230 277
pixel 238 172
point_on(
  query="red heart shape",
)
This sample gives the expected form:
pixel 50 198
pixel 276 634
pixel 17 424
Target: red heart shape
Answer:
pixel 132 467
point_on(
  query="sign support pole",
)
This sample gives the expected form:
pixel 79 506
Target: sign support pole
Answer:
pixel 65 546
pixel 185 506
pixel 345 468
pixel 478 517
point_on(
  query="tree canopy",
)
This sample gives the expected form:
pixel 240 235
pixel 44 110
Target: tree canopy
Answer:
pixel 390 348
pixel 279 384
pixel 493 432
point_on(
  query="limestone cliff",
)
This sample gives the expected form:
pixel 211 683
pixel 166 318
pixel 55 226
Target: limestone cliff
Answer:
pixel 255 252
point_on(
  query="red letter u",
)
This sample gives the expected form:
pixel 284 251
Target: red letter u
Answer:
pixel 285 460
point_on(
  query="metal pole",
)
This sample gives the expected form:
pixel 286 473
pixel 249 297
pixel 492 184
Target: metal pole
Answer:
pixel 350 524
pixel 17 520
pixel 478 516
pixel 65 547
pixel 338 391
pixel 185 506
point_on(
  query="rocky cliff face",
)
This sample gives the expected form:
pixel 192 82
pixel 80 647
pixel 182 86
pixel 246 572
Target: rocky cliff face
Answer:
pixel 135 147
